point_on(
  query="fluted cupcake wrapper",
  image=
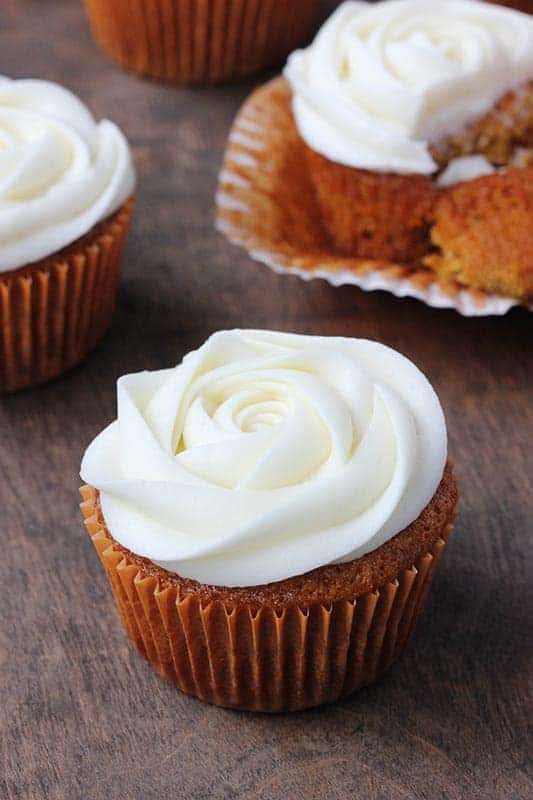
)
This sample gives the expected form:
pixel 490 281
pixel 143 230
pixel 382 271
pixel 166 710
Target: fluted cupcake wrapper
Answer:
pixel 200 41
pixel 53 312
pixel 264 658
pixel 266 203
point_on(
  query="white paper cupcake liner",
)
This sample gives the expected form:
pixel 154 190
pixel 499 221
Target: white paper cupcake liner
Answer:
pixel 258 209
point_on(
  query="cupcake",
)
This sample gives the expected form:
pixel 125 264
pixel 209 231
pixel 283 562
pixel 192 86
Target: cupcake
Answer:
pixel 200 42
pixel 270 513
pixel 417 131
pixel 66 185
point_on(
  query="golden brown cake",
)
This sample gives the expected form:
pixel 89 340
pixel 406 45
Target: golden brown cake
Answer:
pixel 479 232
pixel 504 134
pixel 270 513
pixel 200 41
pixel 483 233
pixel 373 214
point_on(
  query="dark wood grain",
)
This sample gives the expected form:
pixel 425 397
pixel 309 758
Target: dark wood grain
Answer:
pixel 83 716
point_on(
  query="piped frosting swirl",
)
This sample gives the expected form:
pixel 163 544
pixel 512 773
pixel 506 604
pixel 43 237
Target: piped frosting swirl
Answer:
pixel 264 455
pixel 382 81
pixel 60 172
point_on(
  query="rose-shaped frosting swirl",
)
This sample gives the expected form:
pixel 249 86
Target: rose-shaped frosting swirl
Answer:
pixel 380 82
pixel 264 455
pixel 60 171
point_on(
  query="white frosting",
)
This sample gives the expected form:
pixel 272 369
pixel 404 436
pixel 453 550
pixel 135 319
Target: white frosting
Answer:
pixel 60 171
pixel 264 455
pixel 465 168
pixel 381 81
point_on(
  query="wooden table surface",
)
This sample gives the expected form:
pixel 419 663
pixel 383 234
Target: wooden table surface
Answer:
pixel 84 716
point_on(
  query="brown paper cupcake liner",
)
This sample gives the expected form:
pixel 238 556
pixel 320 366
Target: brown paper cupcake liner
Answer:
pixel 263 658
pixel 266 204
pixel 200 41
pixel 53 312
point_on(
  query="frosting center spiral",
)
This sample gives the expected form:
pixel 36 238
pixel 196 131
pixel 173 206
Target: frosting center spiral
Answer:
pixel 263 455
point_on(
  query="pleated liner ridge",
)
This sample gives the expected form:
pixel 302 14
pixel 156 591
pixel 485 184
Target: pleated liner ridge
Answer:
pixel 264 659
pixel 200 41
pixel 53 312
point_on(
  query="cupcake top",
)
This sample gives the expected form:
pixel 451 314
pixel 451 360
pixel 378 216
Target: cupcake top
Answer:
pixel 60 171
pixel 264 455
pixel 381 81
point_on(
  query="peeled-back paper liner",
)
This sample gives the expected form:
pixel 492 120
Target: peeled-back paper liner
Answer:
pixel 196 41
pixel 54 312
pixel 265 203
pixel 263 658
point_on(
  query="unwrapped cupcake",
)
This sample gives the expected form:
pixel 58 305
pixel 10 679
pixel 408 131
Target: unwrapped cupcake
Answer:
pixel 66 186
pixel 270 513
pixel 200 41
pixel 416 122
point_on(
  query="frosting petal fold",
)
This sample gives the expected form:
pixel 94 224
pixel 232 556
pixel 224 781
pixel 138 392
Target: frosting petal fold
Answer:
pixel 60 172
pixel 263 455
pixel 381 81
